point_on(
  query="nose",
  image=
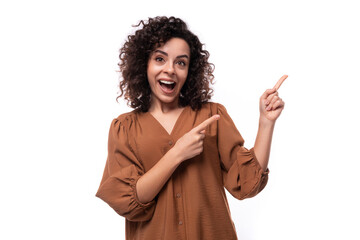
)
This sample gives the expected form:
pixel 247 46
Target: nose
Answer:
pixel 169 68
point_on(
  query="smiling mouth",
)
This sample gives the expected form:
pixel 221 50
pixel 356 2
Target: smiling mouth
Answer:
pixel 167 86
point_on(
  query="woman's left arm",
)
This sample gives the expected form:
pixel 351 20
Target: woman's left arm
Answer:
pixel 263 143
pixel 271 106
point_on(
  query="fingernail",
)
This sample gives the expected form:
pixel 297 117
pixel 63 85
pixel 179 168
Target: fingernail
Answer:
pixel 268 108
pixel 267 103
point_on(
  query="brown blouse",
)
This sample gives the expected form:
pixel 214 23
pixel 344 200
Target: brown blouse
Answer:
pixel 192 204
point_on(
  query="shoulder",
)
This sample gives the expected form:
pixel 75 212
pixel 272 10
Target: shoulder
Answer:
pixel 213 107
pixel 124 120
pixel 128 116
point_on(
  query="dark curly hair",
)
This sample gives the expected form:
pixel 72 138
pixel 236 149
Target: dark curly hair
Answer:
pixel 135 53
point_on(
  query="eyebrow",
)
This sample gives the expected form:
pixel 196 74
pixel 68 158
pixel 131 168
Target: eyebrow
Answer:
pixel 180 56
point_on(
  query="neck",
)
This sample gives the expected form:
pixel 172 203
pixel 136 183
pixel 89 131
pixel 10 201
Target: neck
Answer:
pixel 158 106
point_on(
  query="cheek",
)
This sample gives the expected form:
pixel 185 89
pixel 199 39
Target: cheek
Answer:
pixel 152 71
pixel 184 75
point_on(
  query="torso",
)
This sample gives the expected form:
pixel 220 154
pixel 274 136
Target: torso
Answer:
pixel 168 120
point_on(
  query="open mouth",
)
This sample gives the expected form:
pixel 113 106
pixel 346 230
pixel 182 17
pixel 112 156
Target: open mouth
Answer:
pixel 167 86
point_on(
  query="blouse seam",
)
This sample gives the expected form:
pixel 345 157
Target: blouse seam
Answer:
pixel 127 140
pixel 133 186
pixel 217 144
pixel 136 145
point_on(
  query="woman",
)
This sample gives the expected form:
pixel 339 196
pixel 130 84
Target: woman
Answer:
pixel 171 157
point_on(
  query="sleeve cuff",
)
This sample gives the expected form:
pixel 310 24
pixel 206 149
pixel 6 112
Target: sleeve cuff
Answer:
pixel 133 186
pixel 267 171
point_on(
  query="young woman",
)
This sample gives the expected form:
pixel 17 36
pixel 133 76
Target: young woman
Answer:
pixel 171 157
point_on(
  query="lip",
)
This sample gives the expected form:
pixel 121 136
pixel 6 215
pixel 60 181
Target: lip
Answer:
pixel 167 79
pixel 165 91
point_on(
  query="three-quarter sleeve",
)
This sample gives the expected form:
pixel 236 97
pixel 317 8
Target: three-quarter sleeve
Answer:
pixel 242 174
pixel 122 170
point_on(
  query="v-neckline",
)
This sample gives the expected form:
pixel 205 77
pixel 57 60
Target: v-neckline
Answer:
pixel 177 122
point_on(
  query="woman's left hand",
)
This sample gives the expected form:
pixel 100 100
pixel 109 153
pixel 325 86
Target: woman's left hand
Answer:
pixel 271 105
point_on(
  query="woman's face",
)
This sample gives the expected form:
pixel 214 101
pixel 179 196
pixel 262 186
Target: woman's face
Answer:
pixel 167 70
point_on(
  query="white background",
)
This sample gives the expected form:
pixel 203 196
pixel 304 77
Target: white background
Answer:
pixel 58 71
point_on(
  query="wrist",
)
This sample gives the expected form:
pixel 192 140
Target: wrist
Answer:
pixel 175 156
pixel 266 123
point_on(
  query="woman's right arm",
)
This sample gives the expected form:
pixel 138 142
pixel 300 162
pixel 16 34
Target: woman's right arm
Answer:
pixel 188 146
pixel 150 184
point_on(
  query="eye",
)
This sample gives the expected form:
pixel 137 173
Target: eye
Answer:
pixel 181 63
pixel 159 59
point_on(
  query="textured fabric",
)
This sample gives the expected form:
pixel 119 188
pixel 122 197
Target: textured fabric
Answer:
pixel 192 204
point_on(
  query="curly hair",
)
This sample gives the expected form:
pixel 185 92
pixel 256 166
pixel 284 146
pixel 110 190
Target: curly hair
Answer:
pixel 135 53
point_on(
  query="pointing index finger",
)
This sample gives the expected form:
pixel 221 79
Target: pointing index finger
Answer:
pixel 281 80
pixel 207 122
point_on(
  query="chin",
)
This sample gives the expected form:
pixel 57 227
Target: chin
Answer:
pixel 168 99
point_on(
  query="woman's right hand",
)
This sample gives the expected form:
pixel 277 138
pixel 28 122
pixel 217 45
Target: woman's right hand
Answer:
pixel 188 146
pixel 191 144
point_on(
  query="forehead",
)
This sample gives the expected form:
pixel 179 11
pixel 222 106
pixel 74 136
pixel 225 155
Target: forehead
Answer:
pixel 175 46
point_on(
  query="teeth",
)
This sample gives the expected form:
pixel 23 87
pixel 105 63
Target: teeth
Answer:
pixel 166 82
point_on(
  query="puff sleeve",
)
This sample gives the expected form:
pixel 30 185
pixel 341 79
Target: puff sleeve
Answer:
pixel 122 170
pixel 242 174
